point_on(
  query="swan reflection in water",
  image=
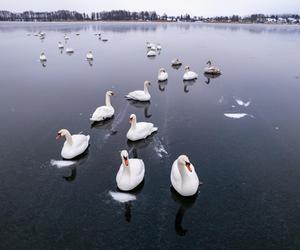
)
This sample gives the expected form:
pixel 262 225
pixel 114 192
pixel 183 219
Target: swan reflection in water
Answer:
pixel 184 203
pixel 210 76
pixel 162 85
pixel 105 125
pixel 134 146
pixel 144 105
pixel 187 84
pixel 90 62
pixel 80 160
pixel 43 63
pixel 177 67
pixel 61 50
pixel 128 204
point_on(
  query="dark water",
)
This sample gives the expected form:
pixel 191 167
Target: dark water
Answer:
pixel 250 167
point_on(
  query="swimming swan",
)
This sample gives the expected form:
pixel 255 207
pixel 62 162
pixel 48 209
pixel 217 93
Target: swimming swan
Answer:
pixel 189 75
pixel 131 172
pixel 212 70
pixel 162 75
pixel 106 111
pixel 43 57
pixel 74 145
pixel 139 130
pixel 184 178
pixel 140 95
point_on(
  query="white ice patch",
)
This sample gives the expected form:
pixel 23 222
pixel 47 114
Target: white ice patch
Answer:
pixel 159 148
pixel 242 103
pixel 122 197
pixel 235 115
pixel 62 164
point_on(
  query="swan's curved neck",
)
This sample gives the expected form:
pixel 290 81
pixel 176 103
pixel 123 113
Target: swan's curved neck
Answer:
pixel 126 168
pixel 69 137
pixel 183 174
pixel 133 124
pixel 146 89
pixel 107 100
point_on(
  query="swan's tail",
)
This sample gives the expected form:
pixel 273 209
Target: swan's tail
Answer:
pixel 154 129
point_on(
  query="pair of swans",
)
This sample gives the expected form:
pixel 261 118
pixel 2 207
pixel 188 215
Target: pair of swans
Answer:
pixel 184 178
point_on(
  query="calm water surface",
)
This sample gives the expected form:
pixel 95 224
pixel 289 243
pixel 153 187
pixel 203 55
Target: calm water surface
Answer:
pixel 249 166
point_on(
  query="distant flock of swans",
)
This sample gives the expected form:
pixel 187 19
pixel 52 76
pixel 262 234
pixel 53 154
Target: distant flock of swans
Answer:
pixel 131 173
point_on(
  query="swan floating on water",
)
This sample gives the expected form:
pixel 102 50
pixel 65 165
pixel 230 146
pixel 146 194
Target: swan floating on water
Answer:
pixel 104 112
pixel 60 45
pixel 151 53
pixel 66 37
pixel 150 45
pixel 69 50
pixel 89 56
pixel 176 62
pixel 162 75
pixel 43 57
pixel 158 46
pixel 212 70
pixel 139 130
pixel 140 95
pixel 184 178
pixel 189 75
pixel 131 172
pixel 74 145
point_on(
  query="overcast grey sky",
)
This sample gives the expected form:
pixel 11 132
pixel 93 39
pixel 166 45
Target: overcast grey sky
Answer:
pixel 171 7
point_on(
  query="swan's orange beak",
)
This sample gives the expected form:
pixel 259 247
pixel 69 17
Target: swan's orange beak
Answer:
pixel 188 165
pixel 126 161
pixel 130 119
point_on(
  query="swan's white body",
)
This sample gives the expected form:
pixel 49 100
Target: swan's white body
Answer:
pixel 140 95
pixel 176 62
pixel 69 50
pixel 104 112
pixel 158 47
pixel 150 45
pixel 151 53
pixel 89 56
pixel 189 75
pixel 184 179
pixel 139 130
pixel 74 145
pixel 66 37
pixel 131 172
pixel 43 57
pixel 212 70
pixel 60 45
pixel 162 75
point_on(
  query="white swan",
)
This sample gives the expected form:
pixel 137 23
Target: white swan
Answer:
pixel 212 70
pixel 162 75
pixel 151 53
pixel 89 56
pixel 43 57
pixel 60 45
pixel 150 45
pixel 158 47
pixel 131 172
pixel 189 75
pixel 140 95
pixel 184 178
pixel 176 62
pixel 74 145
pixel 139 130
pixel 69 50
pixel 66 37
pixel 106 111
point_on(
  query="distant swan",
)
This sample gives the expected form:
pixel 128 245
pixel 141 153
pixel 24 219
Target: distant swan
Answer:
pixel 60 45
pixel 131 172
pixel 74 145
pixel 189 75
pixel 43 57
pixel 140 95
pixel 212 70
pixel 162 75
pixel 66 37
pixel 69 50
pixel 89 56
pixel 151 53
pixel 176 62
pixel 184 178
pixel 106 111
pixel 139 130
pixel 158 47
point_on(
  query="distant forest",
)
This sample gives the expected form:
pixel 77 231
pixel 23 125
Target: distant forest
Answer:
pixel 123 15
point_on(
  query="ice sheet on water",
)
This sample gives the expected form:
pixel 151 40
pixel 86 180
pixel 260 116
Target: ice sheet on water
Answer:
pixel 122 197
pixel 235 115
pixel 61 164
pixel 159 148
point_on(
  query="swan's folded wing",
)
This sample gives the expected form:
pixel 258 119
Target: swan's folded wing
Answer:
pixel 175 175
pixel 144 128
pixel 102 112
pixel 136 94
